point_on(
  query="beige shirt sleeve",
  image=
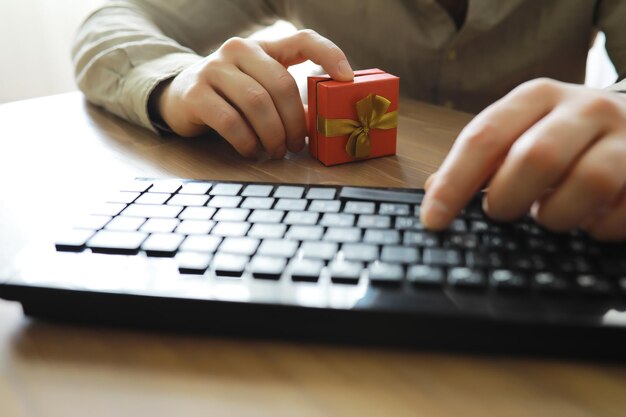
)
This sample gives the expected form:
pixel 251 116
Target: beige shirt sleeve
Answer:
pixel 611 17
pixel 126 48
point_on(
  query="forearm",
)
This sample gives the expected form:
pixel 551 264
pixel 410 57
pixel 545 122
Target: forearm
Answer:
pixel 127 48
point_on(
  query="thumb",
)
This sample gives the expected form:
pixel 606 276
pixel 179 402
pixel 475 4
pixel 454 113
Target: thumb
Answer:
pixel 309 45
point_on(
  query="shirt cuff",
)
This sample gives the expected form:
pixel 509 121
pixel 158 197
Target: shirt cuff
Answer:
pixel 143 79
pixel 618 87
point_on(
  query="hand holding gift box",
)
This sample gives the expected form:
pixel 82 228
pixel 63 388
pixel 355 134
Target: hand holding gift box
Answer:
pixel 353 120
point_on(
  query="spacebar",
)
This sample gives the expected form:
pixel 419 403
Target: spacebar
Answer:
pixel 370 194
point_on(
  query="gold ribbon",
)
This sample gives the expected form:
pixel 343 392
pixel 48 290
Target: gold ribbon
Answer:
pixel 372 114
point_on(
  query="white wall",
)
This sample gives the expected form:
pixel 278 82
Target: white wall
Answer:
pixel 36 35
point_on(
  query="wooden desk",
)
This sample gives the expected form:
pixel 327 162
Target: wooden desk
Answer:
pixel 51 152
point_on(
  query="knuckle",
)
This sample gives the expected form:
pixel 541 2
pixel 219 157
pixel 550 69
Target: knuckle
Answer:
pixel 258 98
pixel 482 135
pixel 286 86
pixel 539 87
pixel 598 180
pixel 235 45
pixel 599 106
pixel 307 34
pixel 542 156
pixel 226 121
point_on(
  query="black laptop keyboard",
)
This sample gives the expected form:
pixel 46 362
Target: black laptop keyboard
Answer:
pixel 351 235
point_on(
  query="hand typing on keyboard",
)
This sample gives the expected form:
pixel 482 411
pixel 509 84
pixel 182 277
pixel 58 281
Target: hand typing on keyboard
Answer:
pixel 554 149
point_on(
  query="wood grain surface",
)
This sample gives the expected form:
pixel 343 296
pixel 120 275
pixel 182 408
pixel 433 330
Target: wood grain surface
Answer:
pixel 59 154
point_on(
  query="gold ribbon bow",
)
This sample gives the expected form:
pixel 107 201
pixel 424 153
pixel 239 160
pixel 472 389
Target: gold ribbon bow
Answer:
pixel 372 114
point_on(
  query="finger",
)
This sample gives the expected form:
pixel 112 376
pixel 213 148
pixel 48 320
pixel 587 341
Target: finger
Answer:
pixel 429 181
pixel 611 226
pixel 539 159
pixel 284 92
pixel 218 114
pixel 481 146
pixel 256 105
pixel 309 45
pixel 594 182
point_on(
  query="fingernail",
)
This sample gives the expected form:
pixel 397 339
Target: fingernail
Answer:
pixel 434 213
pixel 345 69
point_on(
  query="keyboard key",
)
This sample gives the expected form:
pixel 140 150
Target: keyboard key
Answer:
pixel 278 247
pixel 162 244
pixel 343 234
pixel 506 279
pixel 385 274
pixel 425 275
pixel 359 207
pixel 225 189
pixel 325 206
pixel 528 262
pixel 399 254
pixel 593 285
pixel 462 241
pixel 321 193
pixel 408 223
pixel 549 282
pixel 368 194
pixel 197 213
pixel 458 226
pixel 137 186
pixel 109 209
pixel 199 188
pixel 301 217
pixel 394 209
pixel 73 240
pixel 160 225
pixel 484 259
pixel 374 222
pixel 232 229
pixel 125 224
pixel 500 242
pixel 257 203
pixel 206 243
pixel 224 202
pixel 319 250
pixel 239 245
pixel 228 265
pixel 231 215
pixel 125 197
pixel 193 262
pixel 381 237
pixel 257 191
pixel 153 198
pixel 337 220
pixel 266 267
pixel 359 252
pixel 305 233
pixel 188 200
pixel 287 191
pixel 423 239
pixel 305 270
pixel 149 210
pixel 266 216
pixel 345 272
pixel 290 204
pixel 195 227
pixel 125 243
pixel 466 278
pixel 442 257
pixel 168 187
pixel 93 222
pixel 268 231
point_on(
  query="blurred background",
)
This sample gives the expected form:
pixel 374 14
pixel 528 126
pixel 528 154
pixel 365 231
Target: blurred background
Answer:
pixel 36 37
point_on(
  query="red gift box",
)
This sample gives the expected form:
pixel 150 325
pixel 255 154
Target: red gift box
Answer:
pixel 354 120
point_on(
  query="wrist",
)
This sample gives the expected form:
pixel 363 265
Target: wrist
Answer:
pixel 156 105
